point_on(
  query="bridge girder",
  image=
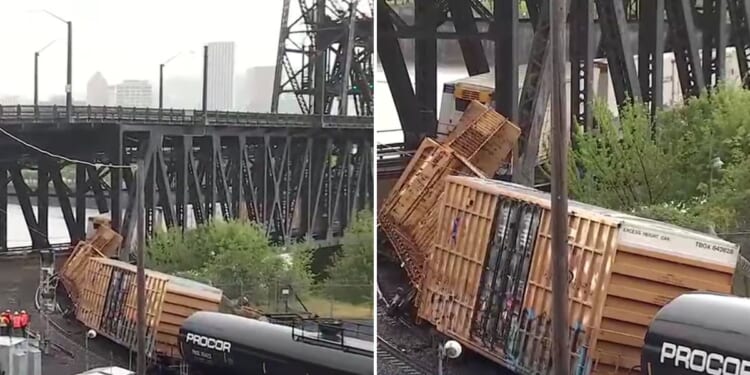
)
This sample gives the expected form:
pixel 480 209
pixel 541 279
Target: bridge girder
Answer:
pixel 300 183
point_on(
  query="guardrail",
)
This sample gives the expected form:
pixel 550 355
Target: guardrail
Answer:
pixel 28 114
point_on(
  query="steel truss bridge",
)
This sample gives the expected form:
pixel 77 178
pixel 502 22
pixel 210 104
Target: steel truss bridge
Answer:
pixel 301 176
pixel 623 29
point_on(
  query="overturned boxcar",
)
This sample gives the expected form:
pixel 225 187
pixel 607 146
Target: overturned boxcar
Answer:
pixel 479 146
pixel 488 280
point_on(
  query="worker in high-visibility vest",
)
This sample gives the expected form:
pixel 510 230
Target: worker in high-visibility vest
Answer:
pixel 16 323
pixel 5 320
pixel 4 325
pixel 25 320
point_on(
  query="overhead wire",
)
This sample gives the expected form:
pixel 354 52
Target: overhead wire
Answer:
pixel 65 158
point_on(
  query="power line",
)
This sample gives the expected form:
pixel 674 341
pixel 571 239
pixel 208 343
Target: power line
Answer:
pixel 40 150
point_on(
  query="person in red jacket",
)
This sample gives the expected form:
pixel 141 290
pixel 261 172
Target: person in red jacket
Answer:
pixel 25 320
pixel 5 323
pixel 16 322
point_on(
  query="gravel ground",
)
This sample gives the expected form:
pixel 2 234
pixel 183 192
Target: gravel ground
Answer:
pixel 420 342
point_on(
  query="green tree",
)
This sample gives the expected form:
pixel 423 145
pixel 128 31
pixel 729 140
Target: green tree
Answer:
pixel 235 256
pixel 666 170
pixel 351 276
pixel 619 166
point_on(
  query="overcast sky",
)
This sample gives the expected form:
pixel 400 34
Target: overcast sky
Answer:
pixel 128 39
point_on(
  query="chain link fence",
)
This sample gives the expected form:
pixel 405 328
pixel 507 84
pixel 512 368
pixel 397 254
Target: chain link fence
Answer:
pixel 341 301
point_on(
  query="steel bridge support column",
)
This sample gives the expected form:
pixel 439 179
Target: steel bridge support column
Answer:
pixel 62 191
pixel 181 146
pixel 621 65
pixel 115 174
pixel 471 45
pixel 581 63
pixel 651 53
pixel 739 13
pixel 81 189
pixel 682 32
pixel 506 57
pixel 425 65
pixel 714 39
pixel 42 196
pixel 394 67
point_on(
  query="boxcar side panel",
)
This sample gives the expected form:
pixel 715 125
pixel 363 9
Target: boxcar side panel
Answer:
pixel 592 246
pixel 641 283
pixel 455 267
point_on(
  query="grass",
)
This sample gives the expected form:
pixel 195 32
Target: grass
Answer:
pixel 341 310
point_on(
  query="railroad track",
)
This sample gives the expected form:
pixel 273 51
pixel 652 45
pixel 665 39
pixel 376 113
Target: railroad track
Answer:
pixel 392 355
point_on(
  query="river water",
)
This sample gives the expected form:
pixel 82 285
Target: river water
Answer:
pixel 18 231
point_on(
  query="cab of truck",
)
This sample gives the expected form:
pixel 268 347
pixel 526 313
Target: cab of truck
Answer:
pixel 699 333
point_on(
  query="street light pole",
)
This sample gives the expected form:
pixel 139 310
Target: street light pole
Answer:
pixel 36 80
pixel 161 86
pixel 69 85
pixel 205 79
pixel 36 75
pixel 161 78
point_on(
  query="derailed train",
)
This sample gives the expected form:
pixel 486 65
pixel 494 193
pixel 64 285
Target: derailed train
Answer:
pixel 222 344
pixel 699 333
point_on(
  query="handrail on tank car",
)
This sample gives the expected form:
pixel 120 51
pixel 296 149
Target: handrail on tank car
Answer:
pixel 330 334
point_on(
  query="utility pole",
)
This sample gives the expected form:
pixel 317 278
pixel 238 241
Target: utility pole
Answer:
pixel 560 133
pixel 140 175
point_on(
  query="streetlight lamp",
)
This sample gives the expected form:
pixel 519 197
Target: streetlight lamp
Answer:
pixel 161 77
pixel 90 334
pixel 450 350
pixel 69 83
pixel 36 74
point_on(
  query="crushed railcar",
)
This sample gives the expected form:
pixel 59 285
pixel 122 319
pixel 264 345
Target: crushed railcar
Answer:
pixel 487 282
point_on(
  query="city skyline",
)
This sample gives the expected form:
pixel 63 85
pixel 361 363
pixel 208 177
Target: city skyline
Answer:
pixel 121 41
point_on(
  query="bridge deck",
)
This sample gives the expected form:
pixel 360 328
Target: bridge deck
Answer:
pixel 31 115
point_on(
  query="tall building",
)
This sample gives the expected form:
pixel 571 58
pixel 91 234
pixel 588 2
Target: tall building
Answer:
pixel 10 100
pixel 97 90
pixel 220 88
pixel 259 85
pixel 134 93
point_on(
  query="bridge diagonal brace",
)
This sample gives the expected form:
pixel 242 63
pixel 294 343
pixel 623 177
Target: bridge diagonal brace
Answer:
pixel 278 160
pixel 39 239
pixel 250 192
pixel 94 183
pixel 194 186
pixel 471 44
pixel 222 181
pixel 62 191
pixel 682 33
pixel 341 189
pixel 321 174
pixel 165 192
pixel 394 67
pixel 621 65
pixel 299 171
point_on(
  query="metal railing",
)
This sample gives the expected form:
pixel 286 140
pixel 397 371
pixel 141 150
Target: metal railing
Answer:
pixel 29 114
